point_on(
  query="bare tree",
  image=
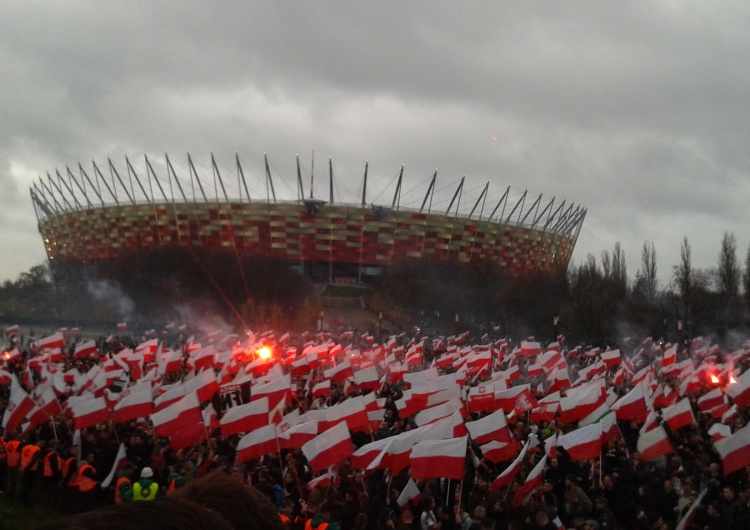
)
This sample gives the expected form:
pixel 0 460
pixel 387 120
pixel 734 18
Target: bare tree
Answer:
pixel 729 271
pixel 684 280
pixel 746 276
pixel 619 269
pixel 648 269
pixel 606 264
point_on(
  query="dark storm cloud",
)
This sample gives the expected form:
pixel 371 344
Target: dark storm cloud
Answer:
pixel 635 110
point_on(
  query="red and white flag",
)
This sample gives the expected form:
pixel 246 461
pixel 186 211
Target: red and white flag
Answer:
pixel 611 358
pixel 329 447
pixel 580 402
pixel 204 384
pixel 363 457
pixel 533 480
pixel 19 405
pixel 322 389
pixel 138 403
pixel 257 443
pixel 507 476
pixel 654 443
pixel 530 348
pixel 89 412
pixel 631 406
pixel 367 378
pixel 679 415
pixel 47 406
pixel 517 398
pixel 438 459
pixel 438 412
pixel 52 341
pixel 493 427
pixel 496 452
pixel 482 398
pixel 120 458
pixel 719 431
pixel 584 443
pixel 294 437
pixel 84 349
pixel 711 400
pixel 245 418
pixel 276 390
pixel 740 390
pixel 352 412
pixel 185 411
pixel 340 372
pixel 735 450
pixel 408 494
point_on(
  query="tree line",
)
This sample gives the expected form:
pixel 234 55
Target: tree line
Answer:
pixel 595 301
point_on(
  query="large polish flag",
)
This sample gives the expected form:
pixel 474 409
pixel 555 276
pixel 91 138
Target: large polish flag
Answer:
pixel 186 411
pixel 654 443
pixel 583 443
pixel 329 447
pixel 245 418
pixel 679 415
pixel 735 450
pixel 740 390
pixel 19 405
pixel 631 406
pixel 533 480
pixel 257 443
pixel 438 459
pixel 137 404
pixel 89 412
pixel 507 476
pixel 493 427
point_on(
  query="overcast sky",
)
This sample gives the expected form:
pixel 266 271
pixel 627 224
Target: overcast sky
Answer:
pixel 636 110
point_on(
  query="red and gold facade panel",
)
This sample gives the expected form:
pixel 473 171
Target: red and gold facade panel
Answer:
pixel 337 233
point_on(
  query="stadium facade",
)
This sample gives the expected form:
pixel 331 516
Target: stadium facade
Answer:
pixel 95 216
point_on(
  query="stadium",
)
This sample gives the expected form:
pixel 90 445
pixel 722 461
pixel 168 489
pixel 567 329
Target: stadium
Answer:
pixel 169 236
pixel 85 217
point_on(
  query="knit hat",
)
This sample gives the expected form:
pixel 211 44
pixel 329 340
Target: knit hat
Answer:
pixel 147 472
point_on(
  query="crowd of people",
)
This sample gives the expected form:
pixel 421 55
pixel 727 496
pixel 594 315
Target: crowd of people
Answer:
pixel 68 470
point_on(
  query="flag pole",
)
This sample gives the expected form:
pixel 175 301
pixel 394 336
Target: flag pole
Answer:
pixel 448 493
pixel 364 486
pixel 112 426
